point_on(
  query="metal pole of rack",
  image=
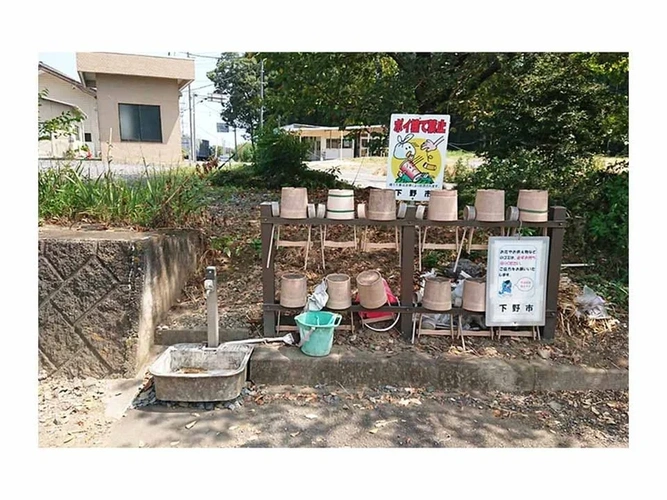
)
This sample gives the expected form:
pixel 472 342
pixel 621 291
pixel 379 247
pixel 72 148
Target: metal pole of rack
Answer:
pixel 407 269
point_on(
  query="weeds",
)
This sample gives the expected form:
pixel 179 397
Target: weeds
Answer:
pixel 155 200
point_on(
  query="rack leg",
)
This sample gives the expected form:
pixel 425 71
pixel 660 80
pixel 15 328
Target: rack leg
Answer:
pixel 323 238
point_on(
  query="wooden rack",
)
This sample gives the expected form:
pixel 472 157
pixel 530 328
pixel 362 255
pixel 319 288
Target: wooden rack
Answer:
pixel 555 228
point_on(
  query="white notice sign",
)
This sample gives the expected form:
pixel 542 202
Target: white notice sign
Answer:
pixel 516 284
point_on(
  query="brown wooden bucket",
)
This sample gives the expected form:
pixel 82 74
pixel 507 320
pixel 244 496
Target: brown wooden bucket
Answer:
pixel 533 205
pixel 437 294
pixel 293 290
pixel 339 288
pixel 490 205
pixel 443 205
pixel 474 294
pixel 340 204
pixel 371 289
pixel 294 203
pixel 382 204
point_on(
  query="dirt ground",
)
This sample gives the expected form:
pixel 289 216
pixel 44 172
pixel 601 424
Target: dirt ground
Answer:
pixel 594 343
pixel 72 414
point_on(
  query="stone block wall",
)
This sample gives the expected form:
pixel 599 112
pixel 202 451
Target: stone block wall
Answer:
pixel 102 293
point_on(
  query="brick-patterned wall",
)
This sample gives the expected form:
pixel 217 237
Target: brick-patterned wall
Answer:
pixel 101 295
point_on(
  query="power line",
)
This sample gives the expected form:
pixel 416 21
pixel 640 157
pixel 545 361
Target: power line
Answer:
pixel 199 55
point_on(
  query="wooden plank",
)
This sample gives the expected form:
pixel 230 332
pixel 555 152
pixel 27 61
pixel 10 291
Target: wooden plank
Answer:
pixel 380 246
pixel 287 243
pixel 438 333
pixel 340 244
pixel 439 246
pixel 556 236
pixel 476 333
pixel 406 222
pixel 379 319
pixel 268 270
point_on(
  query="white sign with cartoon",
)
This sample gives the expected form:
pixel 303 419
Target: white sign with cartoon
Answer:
pixel 516 282
pixel 417 155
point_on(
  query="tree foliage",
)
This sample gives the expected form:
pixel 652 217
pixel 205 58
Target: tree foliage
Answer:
pixel 236 78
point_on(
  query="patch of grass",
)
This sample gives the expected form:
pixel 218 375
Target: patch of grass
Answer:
pixel 158 199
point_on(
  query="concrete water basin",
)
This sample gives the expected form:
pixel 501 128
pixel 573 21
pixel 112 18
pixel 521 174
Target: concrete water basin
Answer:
pixel 194 373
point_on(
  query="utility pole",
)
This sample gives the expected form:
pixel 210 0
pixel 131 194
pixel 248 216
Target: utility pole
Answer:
pixel 261 94
pixel 194 128
pixel 192 155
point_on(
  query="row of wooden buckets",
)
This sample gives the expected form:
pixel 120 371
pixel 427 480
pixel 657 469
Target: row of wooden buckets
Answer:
pixel 438 298
pixel 532 206
pixel 340 206
pixel 372 292
pixel 370 286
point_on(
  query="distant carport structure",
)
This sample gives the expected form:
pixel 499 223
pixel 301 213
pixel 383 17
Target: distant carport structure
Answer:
pixel 332 143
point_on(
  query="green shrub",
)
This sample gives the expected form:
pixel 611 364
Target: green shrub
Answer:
pixel 278 160
pixel 245 153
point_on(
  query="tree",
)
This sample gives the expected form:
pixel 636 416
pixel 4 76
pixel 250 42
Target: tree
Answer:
pixel 560 106
pixel 236 78
pixel 333 88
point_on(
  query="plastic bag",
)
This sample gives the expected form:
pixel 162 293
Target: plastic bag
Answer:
pixel 457 294
pixel 318 299
pixel 591 305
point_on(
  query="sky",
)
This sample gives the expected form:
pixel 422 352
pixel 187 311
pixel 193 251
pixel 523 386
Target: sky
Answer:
pixel 207 112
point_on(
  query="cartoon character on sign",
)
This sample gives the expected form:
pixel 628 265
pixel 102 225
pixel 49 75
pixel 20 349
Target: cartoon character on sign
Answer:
pixel 415 168
pixel 408 172
pixel 505 288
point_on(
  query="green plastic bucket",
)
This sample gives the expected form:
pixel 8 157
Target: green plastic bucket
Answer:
pixel 317 328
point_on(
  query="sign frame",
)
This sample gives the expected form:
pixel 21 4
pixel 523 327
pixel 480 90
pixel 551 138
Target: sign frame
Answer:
pixel 417 154
pixel 222 128
pixel 531 301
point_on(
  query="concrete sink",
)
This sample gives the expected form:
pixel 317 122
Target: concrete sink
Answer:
pixel 194 373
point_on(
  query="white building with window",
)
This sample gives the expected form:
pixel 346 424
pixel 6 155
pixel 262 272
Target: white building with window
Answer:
pixel 137 104
pixel 331 143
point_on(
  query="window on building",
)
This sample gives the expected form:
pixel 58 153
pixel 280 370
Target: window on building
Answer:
pixel 140 122
pixel 335 143
pixel 87 137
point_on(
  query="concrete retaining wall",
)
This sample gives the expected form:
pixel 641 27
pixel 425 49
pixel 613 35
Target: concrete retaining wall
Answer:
pixel 102 293
pixel 351 368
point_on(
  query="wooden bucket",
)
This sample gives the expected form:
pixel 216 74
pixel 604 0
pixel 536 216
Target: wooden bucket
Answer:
pixel 437 294
pixel 371 290
pixel 382 204
pixel 294 203
pixel 340 204
pixel 474 294
pixel 533 205
pixel 490 205
pixel 339 288
pixel 293 290
pixel 443 205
